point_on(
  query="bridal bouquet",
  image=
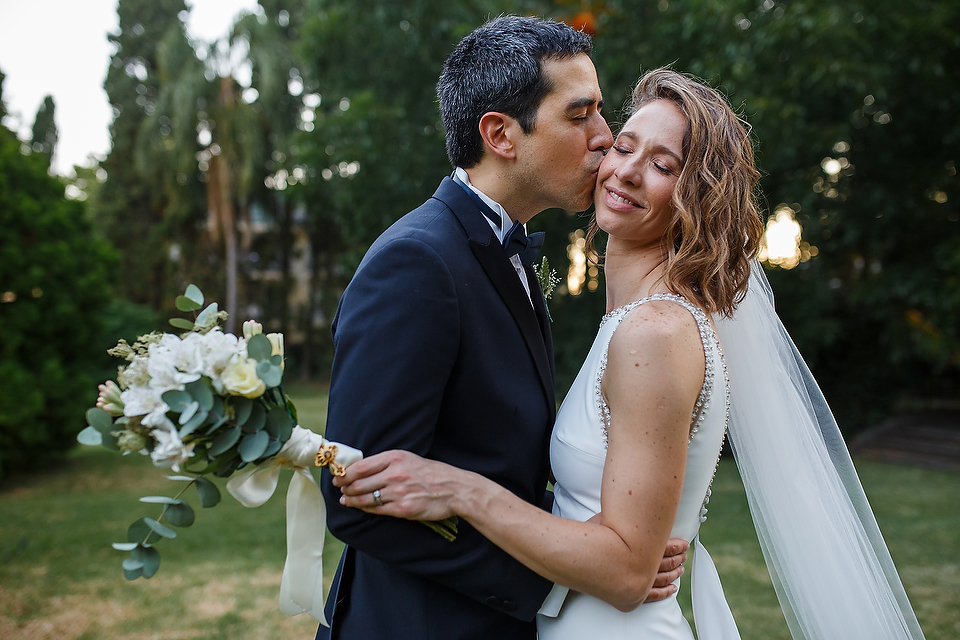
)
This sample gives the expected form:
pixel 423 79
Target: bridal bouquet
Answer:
pixel 204 403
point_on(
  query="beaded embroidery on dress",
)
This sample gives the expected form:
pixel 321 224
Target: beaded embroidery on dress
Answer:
pixel 577 454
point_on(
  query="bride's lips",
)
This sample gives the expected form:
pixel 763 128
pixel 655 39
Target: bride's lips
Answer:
pixel 619 200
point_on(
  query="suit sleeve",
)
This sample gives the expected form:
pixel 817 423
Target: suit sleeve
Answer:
pixel 396 339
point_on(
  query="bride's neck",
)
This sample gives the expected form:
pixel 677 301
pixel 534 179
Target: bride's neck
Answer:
pixel 631 275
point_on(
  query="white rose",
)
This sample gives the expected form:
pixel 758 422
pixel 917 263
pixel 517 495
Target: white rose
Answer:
pixel 240 379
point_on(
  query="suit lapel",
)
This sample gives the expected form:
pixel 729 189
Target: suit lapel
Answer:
pixel 491 256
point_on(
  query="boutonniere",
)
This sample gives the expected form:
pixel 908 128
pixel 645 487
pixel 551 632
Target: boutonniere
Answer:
pixel 548 279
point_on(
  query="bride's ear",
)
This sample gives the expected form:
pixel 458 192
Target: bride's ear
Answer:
pixel 500 134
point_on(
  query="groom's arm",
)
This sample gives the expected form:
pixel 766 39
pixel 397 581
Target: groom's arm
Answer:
pixel 397 338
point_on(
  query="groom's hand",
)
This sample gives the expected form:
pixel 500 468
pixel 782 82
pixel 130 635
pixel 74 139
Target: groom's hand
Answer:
pixel 671 568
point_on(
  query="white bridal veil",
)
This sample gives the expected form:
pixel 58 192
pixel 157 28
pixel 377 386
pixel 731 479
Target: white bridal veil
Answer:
pixel 829 564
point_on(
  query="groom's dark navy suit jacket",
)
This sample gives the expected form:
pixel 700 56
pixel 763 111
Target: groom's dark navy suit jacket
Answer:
pixel 439 351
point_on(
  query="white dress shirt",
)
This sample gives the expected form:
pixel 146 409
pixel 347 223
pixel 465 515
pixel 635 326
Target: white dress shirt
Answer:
pixel 501 230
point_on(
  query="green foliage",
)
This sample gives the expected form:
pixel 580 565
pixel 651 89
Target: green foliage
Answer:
pixel 54 277
pixel 44 139
pixel 150 209
pixel 873 86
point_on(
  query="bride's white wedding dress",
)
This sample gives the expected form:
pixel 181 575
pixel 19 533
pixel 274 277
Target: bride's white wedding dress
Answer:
pixel 577 453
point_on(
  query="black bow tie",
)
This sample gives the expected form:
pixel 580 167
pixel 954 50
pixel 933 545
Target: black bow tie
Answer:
pixel 527 246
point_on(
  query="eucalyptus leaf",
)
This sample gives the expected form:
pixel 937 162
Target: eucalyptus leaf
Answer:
pixel 207 317
pixel 272 447
pixel 217 424
pixel 292 408
pixel 188 412
pixel 159 529
pixel 276 359
pixel 193 423
pixel 150 558
pixel 259 347
pixel 132 575
pixel 90 436
pixel 99 420
pixel 130 564
pixel 180 514
pixel 110 442
pixel 271 374
pixel 258 417
pixel 228 467
pixel 279 424
pixel 181 323
pixel 209 493
pixel 140 533
pixel 183 303
pixel 159 500
pixel 177 400
pixel 193 293
pixel 253 445
pixel 125 546
pixel 241 408
pixel 217 408
pixel 200 392
pixel 224 440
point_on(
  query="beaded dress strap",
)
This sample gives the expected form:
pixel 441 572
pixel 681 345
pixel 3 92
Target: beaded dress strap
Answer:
pixel 711 348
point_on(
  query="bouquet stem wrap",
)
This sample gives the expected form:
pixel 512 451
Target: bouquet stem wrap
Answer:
pixel 301 589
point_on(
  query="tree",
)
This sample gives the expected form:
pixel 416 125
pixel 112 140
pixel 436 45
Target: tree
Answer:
pixel 150 212
pixel 55 287
pixel 851 107
pixel 45 135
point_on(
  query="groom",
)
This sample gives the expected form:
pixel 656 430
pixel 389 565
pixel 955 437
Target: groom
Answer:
pixel 443 344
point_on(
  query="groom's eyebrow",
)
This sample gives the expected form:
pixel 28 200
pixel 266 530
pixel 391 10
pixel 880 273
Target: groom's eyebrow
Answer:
pixel 580 103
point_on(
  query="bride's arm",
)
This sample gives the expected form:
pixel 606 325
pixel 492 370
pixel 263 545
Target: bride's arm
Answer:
pixel 653 375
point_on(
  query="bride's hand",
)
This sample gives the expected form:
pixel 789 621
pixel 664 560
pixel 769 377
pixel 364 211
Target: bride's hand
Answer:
pixel 409 486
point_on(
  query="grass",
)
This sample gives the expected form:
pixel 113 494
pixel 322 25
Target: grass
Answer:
pixel 220 578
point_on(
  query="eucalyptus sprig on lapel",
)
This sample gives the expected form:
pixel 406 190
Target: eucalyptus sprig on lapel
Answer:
pixel 548 279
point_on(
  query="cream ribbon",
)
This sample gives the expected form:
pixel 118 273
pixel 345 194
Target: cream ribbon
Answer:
pixel 301 589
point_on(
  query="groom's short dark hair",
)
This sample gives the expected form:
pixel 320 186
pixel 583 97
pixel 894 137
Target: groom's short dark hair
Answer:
pixel 499 67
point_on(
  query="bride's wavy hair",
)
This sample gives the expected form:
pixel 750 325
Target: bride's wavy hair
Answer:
pixel 715 230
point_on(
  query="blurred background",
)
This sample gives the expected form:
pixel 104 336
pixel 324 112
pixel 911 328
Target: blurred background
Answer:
pixel 262 163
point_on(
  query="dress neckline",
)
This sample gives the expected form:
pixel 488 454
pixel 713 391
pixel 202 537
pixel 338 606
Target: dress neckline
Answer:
pixel 674 297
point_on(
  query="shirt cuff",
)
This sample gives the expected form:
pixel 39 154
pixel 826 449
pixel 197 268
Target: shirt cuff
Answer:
pixel 554 600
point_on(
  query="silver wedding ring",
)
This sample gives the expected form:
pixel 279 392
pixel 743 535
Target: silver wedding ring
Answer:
pixel 376 498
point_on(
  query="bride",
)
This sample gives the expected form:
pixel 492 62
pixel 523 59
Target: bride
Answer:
pixel 689 350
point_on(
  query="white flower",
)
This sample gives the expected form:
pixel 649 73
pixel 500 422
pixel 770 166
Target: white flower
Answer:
pixel 251 328
pixel 217 350
pixel 145 401
pixel 276 342
pixel 162 364
pixel 240 379
pixel 186 354
pixel 169 450
pixel 135 374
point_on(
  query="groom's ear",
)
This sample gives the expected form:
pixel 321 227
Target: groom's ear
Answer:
pixel 500 134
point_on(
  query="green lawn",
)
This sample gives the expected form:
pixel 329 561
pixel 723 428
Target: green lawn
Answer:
pixel 220 578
